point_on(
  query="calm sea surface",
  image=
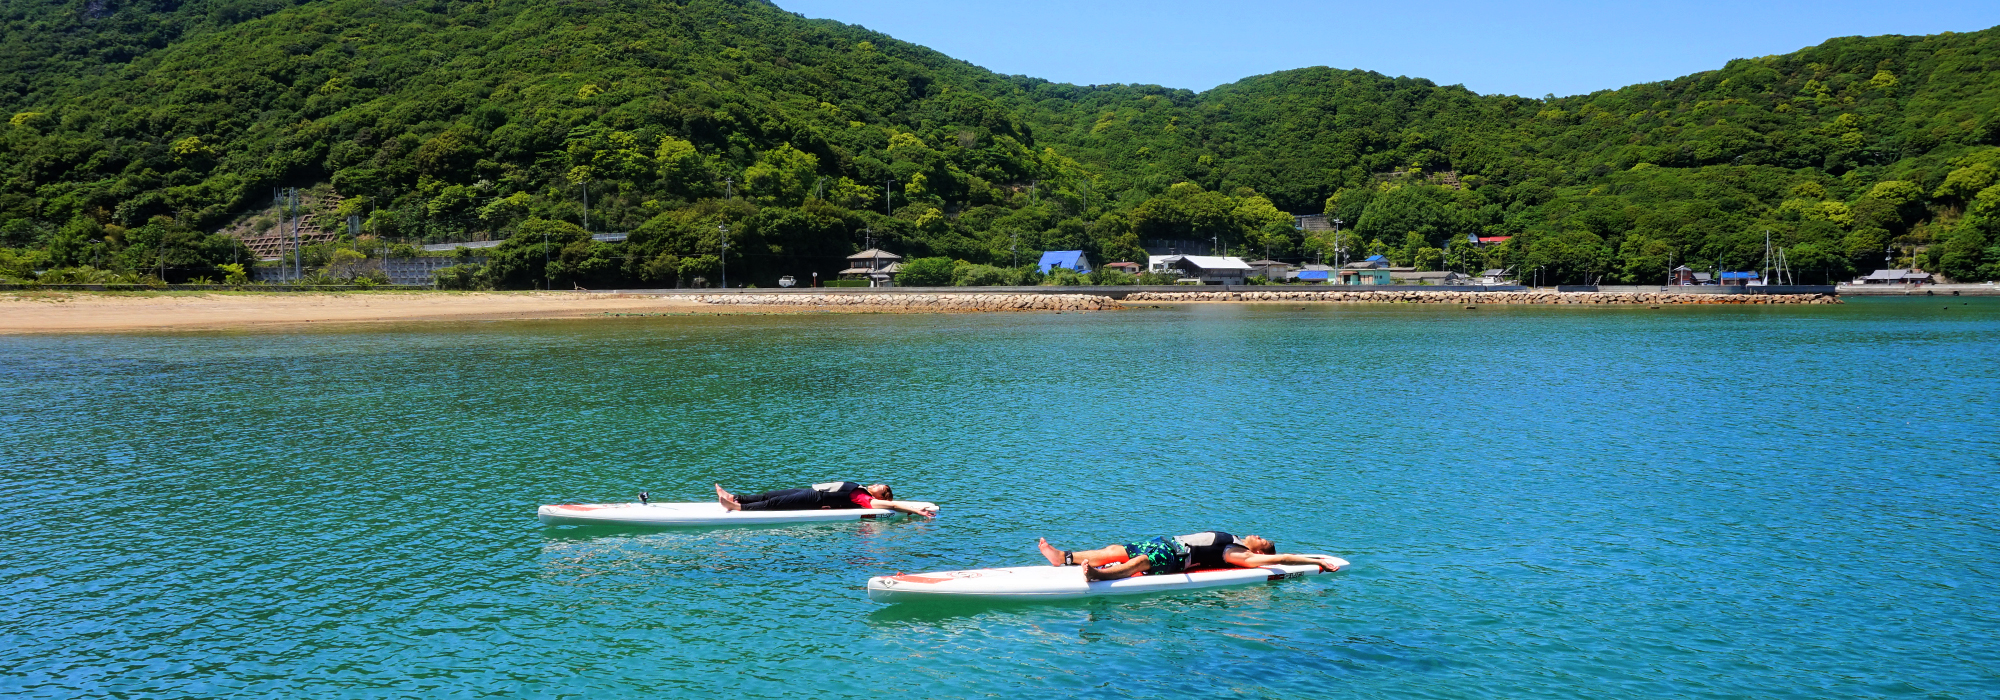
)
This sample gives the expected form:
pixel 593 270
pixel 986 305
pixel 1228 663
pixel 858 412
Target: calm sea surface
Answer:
pixel 1786 502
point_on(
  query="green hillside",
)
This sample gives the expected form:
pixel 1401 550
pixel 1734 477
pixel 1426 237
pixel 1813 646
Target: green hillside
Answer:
pixel 150 127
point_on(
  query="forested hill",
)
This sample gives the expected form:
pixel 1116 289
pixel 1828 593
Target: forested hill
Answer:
pixel 149 127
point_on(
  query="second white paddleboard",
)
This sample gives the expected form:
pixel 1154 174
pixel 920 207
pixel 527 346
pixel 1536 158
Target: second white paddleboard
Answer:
pixel 690 514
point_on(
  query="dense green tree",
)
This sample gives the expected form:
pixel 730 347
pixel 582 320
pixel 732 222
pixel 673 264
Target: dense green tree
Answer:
pixel 799 141
pixel 926 272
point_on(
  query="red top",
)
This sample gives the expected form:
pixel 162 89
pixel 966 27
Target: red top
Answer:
pixel 861 498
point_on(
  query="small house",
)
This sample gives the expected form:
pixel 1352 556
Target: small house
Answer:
pixel 1495 277
pixel 1212 269
pixel 1126 267
pixel 1444 277
pixel 1313 276
pixel 1683 276
pixel 1897 277
pixel 1066 259
pixel 1269 269
pixel 877 266
pixel 1738 279
pixel 1365 272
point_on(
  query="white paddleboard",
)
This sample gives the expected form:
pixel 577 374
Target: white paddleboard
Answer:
pixel 1059 582
pixel 677 514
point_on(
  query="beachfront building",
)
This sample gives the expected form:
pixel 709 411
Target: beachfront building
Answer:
pixel 1270 269
pixel 1369 271
pixel 1127 267
pixel 877 266
pixel 1739 279
pixel 1209 269
pixel 1066 259
pixel 1896 277
pixel 1433 277
pixel 1495 277
pixel 1313 273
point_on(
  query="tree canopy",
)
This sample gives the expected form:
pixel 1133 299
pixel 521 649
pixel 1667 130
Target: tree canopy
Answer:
pixel 694 123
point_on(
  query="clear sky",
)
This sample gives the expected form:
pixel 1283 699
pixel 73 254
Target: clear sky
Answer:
pixel 1526 47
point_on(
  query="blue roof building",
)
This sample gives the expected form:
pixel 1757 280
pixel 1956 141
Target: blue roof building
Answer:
pixel 1070 259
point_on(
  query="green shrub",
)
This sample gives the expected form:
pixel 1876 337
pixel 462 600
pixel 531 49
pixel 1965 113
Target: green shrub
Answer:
pixel 1106 276
pixel 926 272
pixel 1064 277
pixel 468 278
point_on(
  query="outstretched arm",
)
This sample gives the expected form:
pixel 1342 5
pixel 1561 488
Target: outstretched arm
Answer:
pixel 911 507
pixel 1246 559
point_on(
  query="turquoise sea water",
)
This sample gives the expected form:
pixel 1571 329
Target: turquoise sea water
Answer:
pixel 1785 502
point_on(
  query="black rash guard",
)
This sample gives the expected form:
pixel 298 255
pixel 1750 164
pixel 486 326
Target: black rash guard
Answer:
pixel 1205 549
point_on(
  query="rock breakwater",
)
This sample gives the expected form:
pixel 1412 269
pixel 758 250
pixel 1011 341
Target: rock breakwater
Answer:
pixel 923 302
pixel 1442 297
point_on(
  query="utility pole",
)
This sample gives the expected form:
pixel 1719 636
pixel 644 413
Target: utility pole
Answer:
pixel 725 254
pixel 1337 250
pixel 298 244
pixel 888 186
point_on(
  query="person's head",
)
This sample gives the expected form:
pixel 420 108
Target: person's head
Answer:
pixel 1259 545
pixel 881 491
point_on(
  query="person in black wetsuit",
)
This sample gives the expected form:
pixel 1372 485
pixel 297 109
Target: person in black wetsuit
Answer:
pixel 1173 555
pixel 834 494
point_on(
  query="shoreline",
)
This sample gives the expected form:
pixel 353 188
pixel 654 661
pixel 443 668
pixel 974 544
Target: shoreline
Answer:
pixel 24 313
pixel 69 312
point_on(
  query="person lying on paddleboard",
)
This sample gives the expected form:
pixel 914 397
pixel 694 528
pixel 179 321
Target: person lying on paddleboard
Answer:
pixel 835 494
pixel 1173 555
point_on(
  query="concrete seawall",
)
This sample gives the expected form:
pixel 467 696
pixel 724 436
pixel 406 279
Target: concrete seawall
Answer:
pixel 906 301
pixel 923 302
pixel 1530 297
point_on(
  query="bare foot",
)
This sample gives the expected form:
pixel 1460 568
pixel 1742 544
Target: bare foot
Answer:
pixel 1055 556
pixel 728 502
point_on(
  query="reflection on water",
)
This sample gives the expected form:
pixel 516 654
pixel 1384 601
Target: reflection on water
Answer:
pixel 1537 502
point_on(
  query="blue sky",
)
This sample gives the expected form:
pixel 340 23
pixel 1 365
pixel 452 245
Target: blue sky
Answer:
pixel 1530 47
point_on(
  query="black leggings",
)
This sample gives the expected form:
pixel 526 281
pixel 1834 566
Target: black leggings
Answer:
pixel 783 499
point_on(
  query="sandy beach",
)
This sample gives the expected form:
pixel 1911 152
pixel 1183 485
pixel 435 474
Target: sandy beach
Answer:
pixel 92 312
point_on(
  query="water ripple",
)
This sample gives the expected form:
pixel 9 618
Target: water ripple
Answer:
pixel 1539 502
